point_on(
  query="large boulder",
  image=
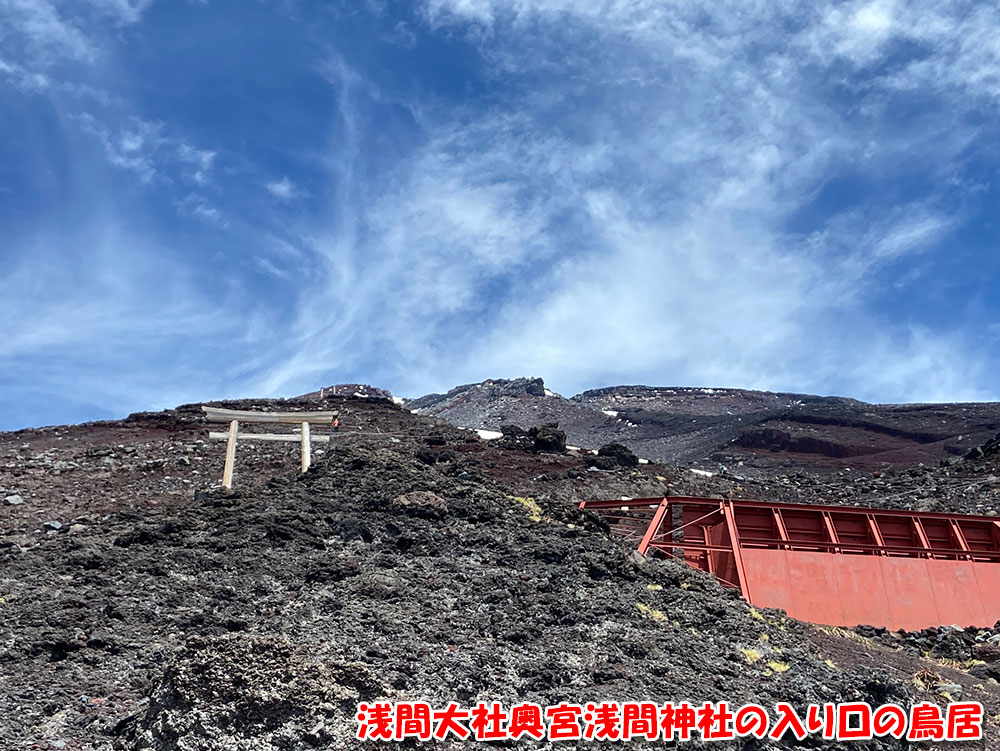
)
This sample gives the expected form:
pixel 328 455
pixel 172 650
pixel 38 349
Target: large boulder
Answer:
pixel 989 448
pixel 516 437
pixel 620 455
pixel 549 438
pixel 420 503
pixel 535 387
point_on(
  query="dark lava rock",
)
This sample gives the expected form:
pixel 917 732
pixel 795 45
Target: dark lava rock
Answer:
pixel 762 430
pixel 986 652
pixel 427 456
pixel 944 642
pixel 421 501
pixel 516 437
pixel 619 454
pixel 990 448
pixel 257 619
pixel 549 438
pixel 377 576
pixel 543 438
pixel 605 463
pixel 248 691
pixel 535 387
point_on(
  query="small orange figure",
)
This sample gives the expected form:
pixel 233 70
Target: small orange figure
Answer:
pixel 336 424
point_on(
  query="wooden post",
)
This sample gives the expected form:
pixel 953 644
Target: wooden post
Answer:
pixel 306 448
pixel 227 474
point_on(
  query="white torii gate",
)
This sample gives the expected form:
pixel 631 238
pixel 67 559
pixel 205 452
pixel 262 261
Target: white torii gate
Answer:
pixel 235 416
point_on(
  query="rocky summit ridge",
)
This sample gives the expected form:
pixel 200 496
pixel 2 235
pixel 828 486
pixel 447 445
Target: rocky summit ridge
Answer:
pixel 730 427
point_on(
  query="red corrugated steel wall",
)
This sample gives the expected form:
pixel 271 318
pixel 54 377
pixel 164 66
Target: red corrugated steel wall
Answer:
pixel 897 593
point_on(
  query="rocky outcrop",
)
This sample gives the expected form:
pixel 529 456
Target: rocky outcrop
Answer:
pixel 543 438
pixel 613 455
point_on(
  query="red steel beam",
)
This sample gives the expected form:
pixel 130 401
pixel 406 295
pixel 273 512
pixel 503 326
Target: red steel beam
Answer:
pixel 921 535
pixel 959 535
pixel 780 524
pixel 707 537
pixel 734 540
pixel 631 503
pixel 654 526
pixel 831 530
pixel 923 549
pixel 745 503
pixel 876 533
pixel 696 546
pixel 827 547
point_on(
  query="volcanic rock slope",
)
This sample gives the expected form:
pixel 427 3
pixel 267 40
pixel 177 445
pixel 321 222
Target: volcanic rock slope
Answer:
pixel 143 608
pixel 732 427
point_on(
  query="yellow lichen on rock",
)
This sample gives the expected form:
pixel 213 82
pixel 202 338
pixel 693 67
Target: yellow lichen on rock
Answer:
pixel 656 615
pixel 531 505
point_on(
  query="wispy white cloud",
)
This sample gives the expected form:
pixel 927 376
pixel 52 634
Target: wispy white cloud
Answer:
pixel 47 32
pixel 648 236
pixel 152 152
pixel 270 268
pixel 59 49
pixel 476 10
pixel 24 79
pixel 926 366
pixel 201 161
pixel 122 11
pixel 916 231
pixel 956 43
pixel 132 147
pixel 199 207
pixel 109 319
pixel 283 189
pixel 644 197
pixel 43 32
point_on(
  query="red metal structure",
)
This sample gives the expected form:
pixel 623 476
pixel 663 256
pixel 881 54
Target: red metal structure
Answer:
pixel 836 565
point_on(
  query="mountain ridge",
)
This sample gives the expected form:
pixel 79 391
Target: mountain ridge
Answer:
pixel 696 425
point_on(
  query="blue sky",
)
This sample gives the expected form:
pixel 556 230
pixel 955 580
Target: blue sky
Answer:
pixel 216 198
